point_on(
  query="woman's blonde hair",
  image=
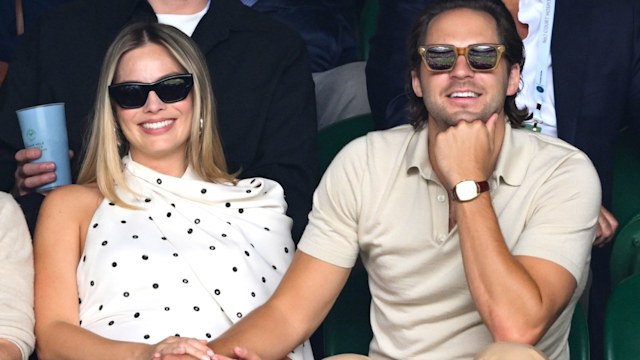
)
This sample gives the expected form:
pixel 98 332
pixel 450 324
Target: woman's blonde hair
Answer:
pixel 102 163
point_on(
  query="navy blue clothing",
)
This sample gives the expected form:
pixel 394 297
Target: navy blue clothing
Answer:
pixel 31 9
pixel 329 28
pixel 8 32
pixel 387 66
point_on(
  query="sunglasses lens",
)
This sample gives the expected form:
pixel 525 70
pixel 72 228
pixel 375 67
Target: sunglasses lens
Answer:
pixel 482 57
pixel 174 89
pixel 440 58
pixel 169 90
pixel 129 96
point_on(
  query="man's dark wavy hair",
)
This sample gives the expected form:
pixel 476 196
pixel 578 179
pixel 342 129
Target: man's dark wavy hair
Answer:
pixel 506 27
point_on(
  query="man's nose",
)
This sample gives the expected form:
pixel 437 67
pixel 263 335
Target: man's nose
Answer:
pixel 461 67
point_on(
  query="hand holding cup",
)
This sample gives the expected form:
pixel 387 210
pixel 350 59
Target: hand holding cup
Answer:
pixel 44 163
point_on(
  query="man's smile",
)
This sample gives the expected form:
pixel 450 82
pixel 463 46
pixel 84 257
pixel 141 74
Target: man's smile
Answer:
pixel 463 94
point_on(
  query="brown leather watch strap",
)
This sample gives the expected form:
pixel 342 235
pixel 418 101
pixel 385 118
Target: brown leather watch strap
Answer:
pixel 482 186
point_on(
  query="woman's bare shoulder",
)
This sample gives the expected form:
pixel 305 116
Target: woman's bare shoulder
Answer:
pixel 64 217
pixel 73 199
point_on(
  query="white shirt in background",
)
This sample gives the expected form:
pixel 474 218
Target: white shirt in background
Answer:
pixel 530 13
pixel 186 23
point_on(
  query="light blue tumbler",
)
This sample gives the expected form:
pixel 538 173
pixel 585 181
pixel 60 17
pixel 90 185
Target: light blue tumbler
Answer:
pixel 44 127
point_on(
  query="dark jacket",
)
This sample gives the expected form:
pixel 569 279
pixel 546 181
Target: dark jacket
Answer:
pixel 596 92
pixel 261 79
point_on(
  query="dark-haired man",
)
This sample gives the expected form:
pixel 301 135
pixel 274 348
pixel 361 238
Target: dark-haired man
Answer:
pixel 472 230
pixel 588 95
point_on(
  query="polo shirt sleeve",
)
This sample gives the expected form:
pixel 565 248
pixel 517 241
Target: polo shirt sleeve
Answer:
pixel 563 215
pixel 332 232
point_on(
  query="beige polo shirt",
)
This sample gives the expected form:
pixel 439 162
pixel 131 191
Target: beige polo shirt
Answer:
pixel 380 199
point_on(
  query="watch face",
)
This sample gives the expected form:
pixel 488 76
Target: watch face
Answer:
pixel 466 190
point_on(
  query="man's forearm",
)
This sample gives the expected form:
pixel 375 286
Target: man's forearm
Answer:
pixel 264 331
pixel 303 299
pixel 507 295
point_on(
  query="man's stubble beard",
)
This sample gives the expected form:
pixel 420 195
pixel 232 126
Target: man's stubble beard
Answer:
pixel 445 119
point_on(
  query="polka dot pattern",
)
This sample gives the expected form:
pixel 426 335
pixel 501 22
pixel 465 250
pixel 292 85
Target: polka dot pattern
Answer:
pixel 215 253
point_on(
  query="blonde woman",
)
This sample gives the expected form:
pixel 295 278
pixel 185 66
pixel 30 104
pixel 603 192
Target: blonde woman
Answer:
pixel 158 249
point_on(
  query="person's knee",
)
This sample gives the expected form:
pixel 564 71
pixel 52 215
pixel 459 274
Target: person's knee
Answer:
pixel 509 351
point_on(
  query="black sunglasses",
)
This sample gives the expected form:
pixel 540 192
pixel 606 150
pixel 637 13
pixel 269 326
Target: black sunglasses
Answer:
pixel 442 57
pixel 132 95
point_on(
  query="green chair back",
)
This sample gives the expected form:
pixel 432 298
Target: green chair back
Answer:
pixel 335 136
pixel 622 321
pixel 626 193
pixel 625 255
pixel 579 335
pixel 368 25
pixel 347 328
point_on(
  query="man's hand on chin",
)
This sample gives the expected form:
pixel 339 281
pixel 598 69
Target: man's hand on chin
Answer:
pixel 466 151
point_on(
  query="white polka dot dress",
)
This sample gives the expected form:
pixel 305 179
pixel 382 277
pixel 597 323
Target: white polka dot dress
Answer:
pixel 194 259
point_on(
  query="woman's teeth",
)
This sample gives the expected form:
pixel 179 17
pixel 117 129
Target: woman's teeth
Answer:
pixel 157 125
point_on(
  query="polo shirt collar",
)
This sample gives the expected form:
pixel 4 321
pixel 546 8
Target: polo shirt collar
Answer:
pixel 513 160
pixel 511 167
pixel 418 155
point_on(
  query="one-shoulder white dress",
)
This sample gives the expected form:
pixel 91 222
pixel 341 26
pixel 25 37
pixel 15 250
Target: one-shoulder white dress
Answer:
pixel 193 259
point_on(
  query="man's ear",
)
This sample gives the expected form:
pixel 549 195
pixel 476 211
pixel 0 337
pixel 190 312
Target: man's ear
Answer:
pixel 514 80
pixel 415 83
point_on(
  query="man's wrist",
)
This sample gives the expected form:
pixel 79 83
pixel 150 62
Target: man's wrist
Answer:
pixel 467 190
